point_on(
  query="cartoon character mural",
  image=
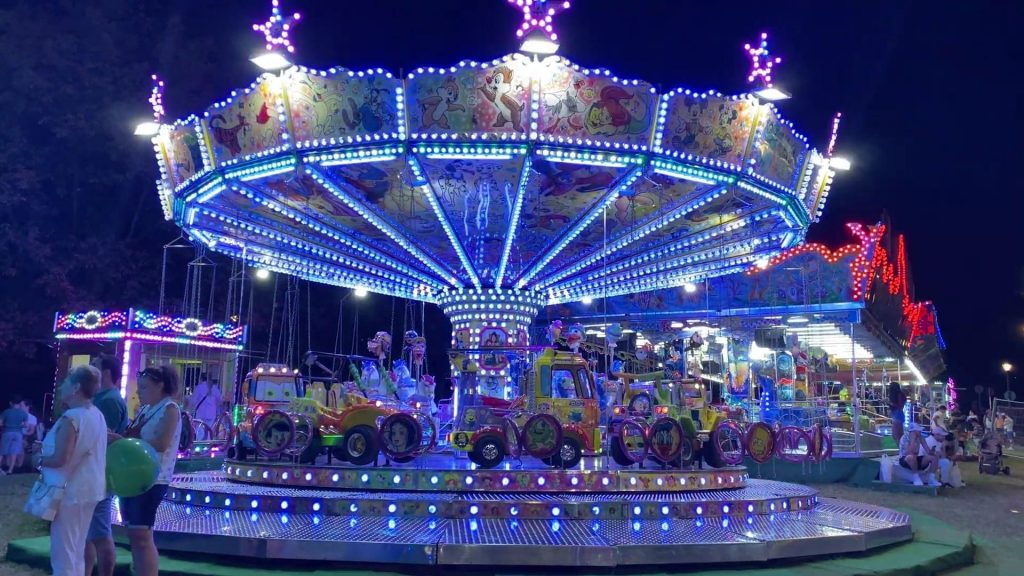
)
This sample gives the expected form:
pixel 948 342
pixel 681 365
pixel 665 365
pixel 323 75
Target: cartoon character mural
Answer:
pixel 713 127
pixel 498 90
pixel 247 124
pixel 337 104
pixel 184 153
pixel 618 111
pixel 564 107
pixel 435 108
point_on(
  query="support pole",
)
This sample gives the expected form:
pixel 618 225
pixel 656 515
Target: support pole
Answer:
pixel 853 393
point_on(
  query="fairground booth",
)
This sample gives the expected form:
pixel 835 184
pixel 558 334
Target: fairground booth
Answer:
pixel 141 339
pixel 808 336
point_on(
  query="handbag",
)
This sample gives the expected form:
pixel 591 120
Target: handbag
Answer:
pixel 44 500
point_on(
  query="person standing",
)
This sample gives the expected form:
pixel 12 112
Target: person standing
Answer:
pixel 28 433
pixel 159 424
pixel 896 401
pixel 1008 430
pixel 12 440
pixel 99 544
pixel 74 455
pixel 205 403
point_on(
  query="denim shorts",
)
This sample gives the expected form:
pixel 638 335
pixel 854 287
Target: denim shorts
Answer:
pixel 140 511
pixel 99 526
pixel 11 444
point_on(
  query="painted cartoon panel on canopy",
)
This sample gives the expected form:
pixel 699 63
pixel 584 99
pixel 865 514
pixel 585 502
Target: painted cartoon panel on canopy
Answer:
pixel 184 154
pixel 485 99
pixel 559 194
pixel 801 280
pixel 716 127
pixel 717 212
pixel 591 107
pixel 477 198
pixel 308 197
pixel 234 204
pixel 648 200
pixel 379 187
pixel 248 123
pixel 343 104
pixel 778 152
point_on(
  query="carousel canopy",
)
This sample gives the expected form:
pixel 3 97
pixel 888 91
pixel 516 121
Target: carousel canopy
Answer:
pixel 516 174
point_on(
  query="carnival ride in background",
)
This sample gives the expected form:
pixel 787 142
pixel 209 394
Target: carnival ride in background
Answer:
pixel 492 190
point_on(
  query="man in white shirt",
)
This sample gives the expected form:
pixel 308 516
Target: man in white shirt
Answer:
pixel 205 402
pixel 916 457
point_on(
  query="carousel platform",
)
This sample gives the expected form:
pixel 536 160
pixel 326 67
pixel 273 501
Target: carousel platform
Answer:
pixel 756 521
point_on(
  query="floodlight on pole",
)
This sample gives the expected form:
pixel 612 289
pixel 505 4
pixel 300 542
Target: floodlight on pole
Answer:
pixel 271 61
pixel 1007 366
pixel 587 300
pixel 360 292
pixel 262 274
pixel 772 94
pixel 537 42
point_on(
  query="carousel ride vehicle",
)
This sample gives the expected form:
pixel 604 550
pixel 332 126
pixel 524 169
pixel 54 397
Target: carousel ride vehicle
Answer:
pixel 484 188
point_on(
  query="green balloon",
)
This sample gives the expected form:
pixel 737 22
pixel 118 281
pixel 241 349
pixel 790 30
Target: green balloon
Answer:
pixel 132 467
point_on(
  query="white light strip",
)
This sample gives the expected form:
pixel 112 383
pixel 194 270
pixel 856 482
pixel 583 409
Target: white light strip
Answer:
pixel 596 211
pixel 359 160
pixel 655 224
pixel 481 156
pixel 267 174
pixel 682 176
pixel 917 373
pixel 453 239
pixel 513 223
pixel 332 253
pixel 384 227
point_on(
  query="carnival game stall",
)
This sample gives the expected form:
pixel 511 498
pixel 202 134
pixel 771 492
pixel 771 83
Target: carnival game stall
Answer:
pixel 808 337
pixel 140 339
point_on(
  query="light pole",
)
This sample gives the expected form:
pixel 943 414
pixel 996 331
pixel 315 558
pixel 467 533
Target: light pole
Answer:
pixel 1006 370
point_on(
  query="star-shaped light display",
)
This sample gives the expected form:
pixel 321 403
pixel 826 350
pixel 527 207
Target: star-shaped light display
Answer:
pixel 537 15
pixel 761 62
pixel 156 99
pixel 275 29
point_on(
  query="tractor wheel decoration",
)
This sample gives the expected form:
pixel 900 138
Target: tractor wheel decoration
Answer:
pixel 306 443
pixel 512 437
pixel 429 441
pixel 201 431
pixel 666 439
pixel 820 444
pixel 726 444
pixel 792 444
pixel 542 436
pixel 400 436
pixel 760 442
pixel 273 432
pixel 632 442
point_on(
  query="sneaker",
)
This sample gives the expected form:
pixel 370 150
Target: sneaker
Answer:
pixel 934 482
pixel 917 480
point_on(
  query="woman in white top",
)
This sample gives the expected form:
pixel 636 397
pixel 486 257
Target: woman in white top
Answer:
pixel 159 424
pixel 74 455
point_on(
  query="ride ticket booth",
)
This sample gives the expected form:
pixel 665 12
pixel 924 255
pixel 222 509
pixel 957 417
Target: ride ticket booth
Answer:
pixel 141 339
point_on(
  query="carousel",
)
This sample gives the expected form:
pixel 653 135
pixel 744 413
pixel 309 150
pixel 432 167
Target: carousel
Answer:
pixel 493 189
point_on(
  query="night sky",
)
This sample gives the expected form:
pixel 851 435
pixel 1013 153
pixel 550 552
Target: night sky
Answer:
pixel 931 109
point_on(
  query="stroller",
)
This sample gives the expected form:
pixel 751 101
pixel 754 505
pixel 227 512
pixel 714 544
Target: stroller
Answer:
pixel 990 455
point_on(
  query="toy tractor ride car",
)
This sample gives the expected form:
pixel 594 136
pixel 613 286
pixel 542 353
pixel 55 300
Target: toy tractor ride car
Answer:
pixel 555 418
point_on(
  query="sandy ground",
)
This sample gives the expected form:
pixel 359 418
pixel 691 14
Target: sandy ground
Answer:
pixel 991 507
